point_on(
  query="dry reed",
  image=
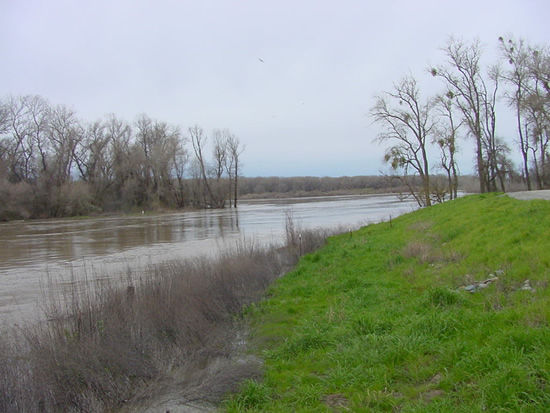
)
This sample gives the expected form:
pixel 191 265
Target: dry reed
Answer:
pixel 103 346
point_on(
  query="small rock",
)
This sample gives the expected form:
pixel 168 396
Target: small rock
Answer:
pixel 472 288
pixel 527 286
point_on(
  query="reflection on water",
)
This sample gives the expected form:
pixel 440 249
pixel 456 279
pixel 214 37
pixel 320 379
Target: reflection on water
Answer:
pixel 66 240
pixel 62 249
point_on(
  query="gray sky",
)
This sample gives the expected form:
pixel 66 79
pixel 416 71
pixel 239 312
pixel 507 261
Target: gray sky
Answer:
pixel 303 111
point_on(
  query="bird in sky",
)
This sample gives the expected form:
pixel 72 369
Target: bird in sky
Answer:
pixel 261 60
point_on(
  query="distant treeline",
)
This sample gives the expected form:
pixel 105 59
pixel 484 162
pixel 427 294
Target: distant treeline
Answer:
pixel 52 164
pixel 303 186
pixel 311 185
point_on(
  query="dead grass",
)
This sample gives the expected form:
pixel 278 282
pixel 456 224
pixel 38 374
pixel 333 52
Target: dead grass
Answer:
pixel 106 346
pixel 421 250
pixel 427 248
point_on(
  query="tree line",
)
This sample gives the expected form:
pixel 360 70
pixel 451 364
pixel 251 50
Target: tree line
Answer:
pixel 52 164
pixel 467 106
pixel 274 186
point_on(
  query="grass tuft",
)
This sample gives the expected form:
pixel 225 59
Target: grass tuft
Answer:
pixel 252 396
pixel 442 297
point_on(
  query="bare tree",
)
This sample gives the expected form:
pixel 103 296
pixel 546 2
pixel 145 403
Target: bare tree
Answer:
pixel 198 140
pixel 226 153
pixel 167 139
pixel 476 101
pixel 4 141
pixel 26 147
pixel 4 118
pixel 445 136
pixel 119 135
pixel 64 133
pixel 408 123
pixel 83 156
pixel 156 142
pixel 219 160
pixel 16 144
pixel 95 160
pixel 233 165
pixel 538 107
pixel 539 128
pixel 37 118
pixel 495 149
pixel 517 55
pixel 180 161
pixel 219 152
pixel 142 157
pixel 505 166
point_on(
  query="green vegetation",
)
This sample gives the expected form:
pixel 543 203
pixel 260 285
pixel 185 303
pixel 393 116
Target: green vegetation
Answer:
pixel 377 319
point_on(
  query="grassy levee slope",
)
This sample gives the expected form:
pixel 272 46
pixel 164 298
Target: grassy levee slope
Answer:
pixel 378 320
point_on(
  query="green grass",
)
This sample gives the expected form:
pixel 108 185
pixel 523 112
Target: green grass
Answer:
pixel 377 321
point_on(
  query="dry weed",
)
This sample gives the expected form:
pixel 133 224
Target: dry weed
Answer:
pixel 104 344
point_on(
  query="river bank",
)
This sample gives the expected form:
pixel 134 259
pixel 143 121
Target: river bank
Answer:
pixel 37 255
pixel 443 309
pixel 379 317
pixel 118 345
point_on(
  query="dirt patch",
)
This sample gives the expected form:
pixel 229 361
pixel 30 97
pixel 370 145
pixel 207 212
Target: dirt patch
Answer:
pixel 191 390
pixel 336 402
pixel 431 394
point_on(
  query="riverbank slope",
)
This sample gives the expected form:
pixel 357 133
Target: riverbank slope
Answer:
pixel 443 309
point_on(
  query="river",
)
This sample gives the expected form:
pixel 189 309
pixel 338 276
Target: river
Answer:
pixel 37 256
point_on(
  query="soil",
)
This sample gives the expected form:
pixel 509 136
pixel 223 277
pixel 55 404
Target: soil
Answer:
pixel 201 383
pixel 195 389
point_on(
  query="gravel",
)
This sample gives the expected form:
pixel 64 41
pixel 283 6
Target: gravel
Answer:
pixel 528 195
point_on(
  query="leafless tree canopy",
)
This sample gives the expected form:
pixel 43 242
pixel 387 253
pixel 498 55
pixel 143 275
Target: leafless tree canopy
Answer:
pixel 408 125
pixel 528 74
pixel 467 107
pixel 53 164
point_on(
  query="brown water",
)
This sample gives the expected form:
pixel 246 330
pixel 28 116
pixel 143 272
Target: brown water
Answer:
pixel 36 256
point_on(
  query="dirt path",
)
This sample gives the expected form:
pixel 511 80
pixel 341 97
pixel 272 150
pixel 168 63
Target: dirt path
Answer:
pixel 528 195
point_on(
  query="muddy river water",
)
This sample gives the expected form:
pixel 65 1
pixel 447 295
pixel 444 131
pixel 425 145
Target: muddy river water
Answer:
pixel 36 256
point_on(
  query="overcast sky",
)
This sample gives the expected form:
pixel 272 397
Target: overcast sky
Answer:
pixel 300 110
